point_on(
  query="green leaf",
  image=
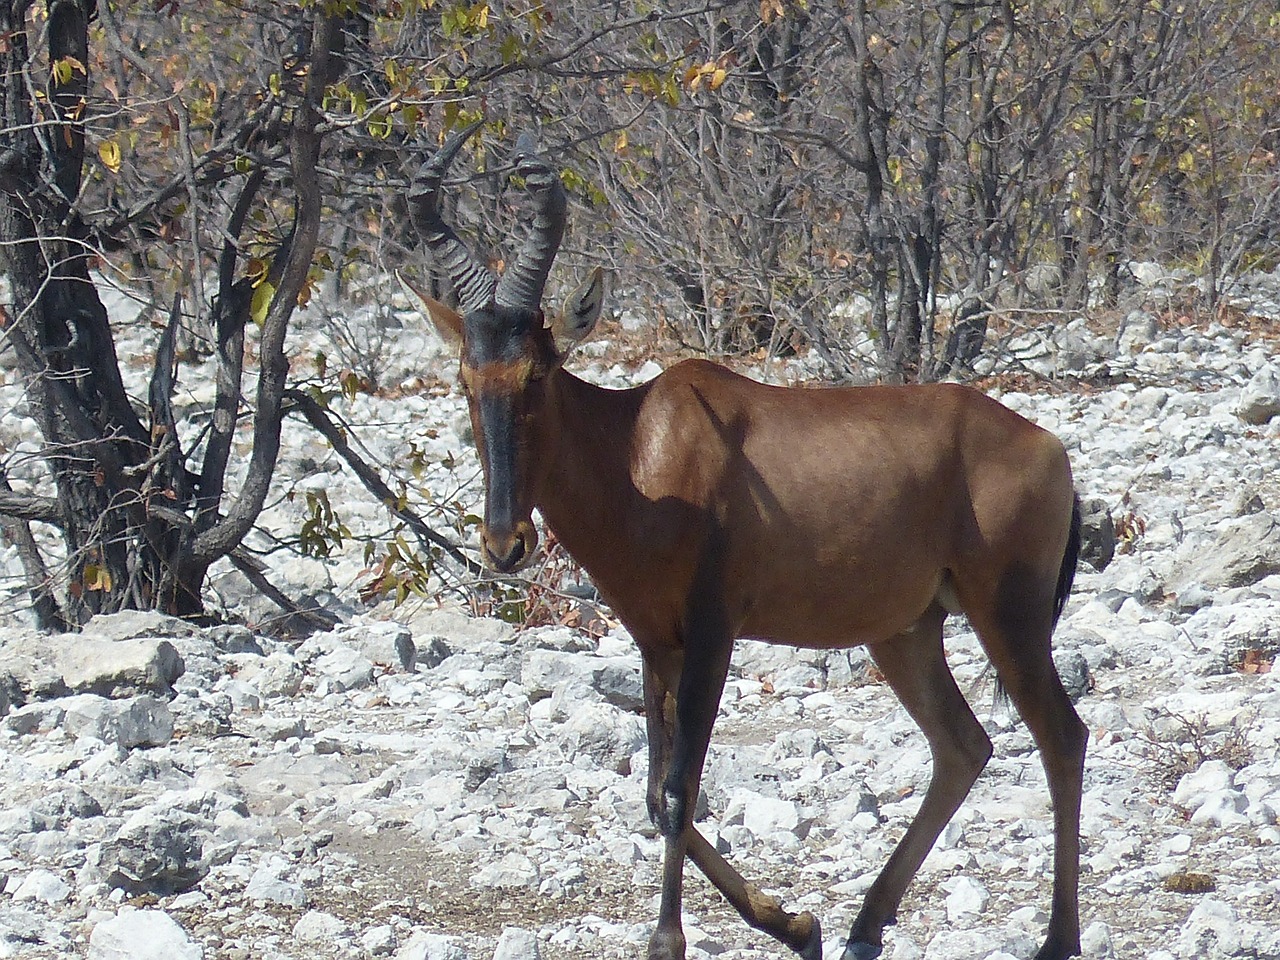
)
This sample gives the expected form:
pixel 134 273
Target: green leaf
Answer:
pixel 263 294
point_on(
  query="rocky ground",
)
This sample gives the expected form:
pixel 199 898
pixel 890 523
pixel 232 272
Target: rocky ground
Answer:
pixel 423 785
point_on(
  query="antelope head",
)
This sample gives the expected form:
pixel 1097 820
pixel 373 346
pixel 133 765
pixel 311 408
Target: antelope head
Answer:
pixel 509 352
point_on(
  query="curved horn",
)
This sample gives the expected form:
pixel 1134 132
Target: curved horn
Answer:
pixel 473 282
pixel 521 286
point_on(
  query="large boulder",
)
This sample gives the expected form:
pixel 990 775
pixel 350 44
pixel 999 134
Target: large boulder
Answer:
pixel 113 657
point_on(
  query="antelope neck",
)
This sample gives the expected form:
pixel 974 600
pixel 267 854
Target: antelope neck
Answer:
pixel 585 453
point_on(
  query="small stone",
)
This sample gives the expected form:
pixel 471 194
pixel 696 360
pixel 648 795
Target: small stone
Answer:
pixel 432 652
pixel 346 667
pixel 43 886
pixel 267 885
pixel 275 729
pixel 1212 930
pixel 516 943
pixel 966 896
pixel 1073 670
pixel 762 815
pixel 1097 533
pixel 379 941
pixel 316 926
pixel 141 935
pixel 388 644
pixel 512 870
pixel 116 668
pixel 1260 398
pixel 142 721
pixel 432 946
pixel 157 851
pixel 278 675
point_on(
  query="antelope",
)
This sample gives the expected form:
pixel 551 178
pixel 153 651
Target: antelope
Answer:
pixel 706 506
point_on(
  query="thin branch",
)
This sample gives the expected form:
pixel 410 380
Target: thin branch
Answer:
pixel 256 572
pixel 28 506
pixel 315 414
pixel 44 604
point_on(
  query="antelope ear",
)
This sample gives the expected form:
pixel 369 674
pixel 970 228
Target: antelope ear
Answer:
pixel 581 311
pixel 448 322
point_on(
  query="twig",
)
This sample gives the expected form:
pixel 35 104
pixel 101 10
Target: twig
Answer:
pixel 310 408
pixel 255 571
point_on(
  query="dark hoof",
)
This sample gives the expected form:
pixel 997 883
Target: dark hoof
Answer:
pixel 862 951
pixel 812 950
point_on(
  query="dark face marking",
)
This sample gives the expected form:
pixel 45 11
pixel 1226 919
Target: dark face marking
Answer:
pixel 505 360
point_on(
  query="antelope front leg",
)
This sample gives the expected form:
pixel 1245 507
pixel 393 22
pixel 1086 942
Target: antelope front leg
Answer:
pixel 698 685
pixel 659 678
pixel 801 933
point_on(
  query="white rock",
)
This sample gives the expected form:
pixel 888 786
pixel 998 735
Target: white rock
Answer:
pixel 1211 794
pixel 512 870
pixel 157 850
pixel 385 643
pixel 616 679
pixel 118 667
pixel 346 666
pixel 142 721
pixel 1260 398
pixel 277 675
pixel 1212 931
pixel 141 935
pixel 268 885
pixel 44 886
pixel 1095 941
pixel 516 943
pixel 432 946
pixel 604 733
pixel 1224 807
pixel 965 896
pixel 318 927
pixel 762 815
pixel 379 941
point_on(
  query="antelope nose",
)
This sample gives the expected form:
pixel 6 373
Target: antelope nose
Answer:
pixel 507 550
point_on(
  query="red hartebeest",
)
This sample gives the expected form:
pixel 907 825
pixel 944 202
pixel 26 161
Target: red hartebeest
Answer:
pixel 707 506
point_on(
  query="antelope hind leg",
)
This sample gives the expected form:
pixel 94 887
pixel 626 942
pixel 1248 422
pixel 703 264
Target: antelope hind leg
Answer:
pixel 915 667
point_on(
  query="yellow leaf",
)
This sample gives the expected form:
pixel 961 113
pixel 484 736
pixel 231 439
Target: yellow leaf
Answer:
pixel 64 69
pixel 717 77
pixel 109 152
pixel 263 294
pixel 620 145
pixel 96 578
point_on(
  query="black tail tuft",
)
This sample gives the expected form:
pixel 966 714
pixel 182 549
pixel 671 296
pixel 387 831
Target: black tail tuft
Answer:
pixel 1070 558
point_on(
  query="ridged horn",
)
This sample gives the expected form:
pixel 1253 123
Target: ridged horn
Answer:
pixel 473 282
pixel 521 286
